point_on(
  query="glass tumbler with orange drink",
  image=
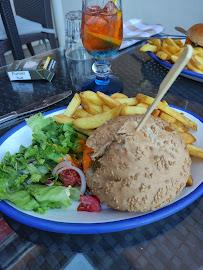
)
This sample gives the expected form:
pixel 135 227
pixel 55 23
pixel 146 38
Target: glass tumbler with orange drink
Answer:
pixel 102 32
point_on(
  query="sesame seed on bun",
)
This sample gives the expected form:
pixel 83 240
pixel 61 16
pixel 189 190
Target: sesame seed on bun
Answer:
pixel 137 170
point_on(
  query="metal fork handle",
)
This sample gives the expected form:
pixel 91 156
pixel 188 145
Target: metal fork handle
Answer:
pixel 180 29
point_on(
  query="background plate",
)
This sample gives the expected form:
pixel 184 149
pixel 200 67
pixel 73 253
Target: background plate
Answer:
pixel 185 73
pixel 68 220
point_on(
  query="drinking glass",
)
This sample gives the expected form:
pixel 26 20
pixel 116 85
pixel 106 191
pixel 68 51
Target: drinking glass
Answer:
pixel 73 31
pixel 78 59
pixel 102 32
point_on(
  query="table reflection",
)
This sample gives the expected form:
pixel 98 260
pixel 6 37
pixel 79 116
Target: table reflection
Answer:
pixel 101 242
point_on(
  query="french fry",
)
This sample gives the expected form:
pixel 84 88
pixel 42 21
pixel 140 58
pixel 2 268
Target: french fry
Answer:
pixel 162 55
pixel 178 42
pixel 144 99
pixel 118 95
pixel 128 110
pixel 96 107
pixel 188 138
pixel 165 108
pixel 172 43
pixel 183 127
pixel 106 108
pixel 193 68
pixel 157 42
pixel 148 48
pixel 108 100
pixel 174 58
pixel 169 119
pixel 96 121
pixel 143 105
pixel 82 113
pixel 170 50
pixel 179 53
pixel 127 101
pixel 189 181
pixel 177 115
pixel 73 105
pixel 165 102
pixel 198 50
pixel 197 62
pixel 87 132
pixel 90 107
pixel 151 42
pixel 63 119
pixel 164 48
pixel 156 112
pixel 195 151
pixel 180 128
pixel 199 58
pixel 92 97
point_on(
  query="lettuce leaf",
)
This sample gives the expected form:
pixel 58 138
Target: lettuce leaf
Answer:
pixel 24 200
pixel 10 179
pixel 37 121
pixel 36 162
pixel 41 198
pixel 56 194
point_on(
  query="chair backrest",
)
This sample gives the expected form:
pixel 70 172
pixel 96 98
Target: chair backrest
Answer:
pixel 11 30
pixel 35 10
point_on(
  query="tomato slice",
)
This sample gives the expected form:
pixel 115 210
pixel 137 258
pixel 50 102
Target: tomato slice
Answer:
pixel 70 177
pixel 89 204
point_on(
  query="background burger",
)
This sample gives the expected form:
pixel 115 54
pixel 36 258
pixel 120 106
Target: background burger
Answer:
pixel 195 35
pixel 137 170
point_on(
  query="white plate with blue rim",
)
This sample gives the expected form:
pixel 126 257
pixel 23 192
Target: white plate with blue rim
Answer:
pixel 68 220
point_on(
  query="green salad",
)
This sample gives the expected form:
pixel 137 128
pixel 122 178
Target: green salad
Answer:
pixel 23 176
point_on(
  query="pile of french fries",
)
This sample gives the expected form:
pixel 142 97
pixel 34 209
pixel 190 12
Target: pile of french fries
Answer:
pixel 89 110
pixel 169 50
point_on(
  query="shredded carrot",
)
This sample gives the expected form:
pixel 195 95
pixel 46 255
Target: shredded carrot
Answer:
pixel 81 136
pixel 81 142
pixel 86 159
pixel 60 159
pixel 68 157
pixel 73 160
pixel 79 149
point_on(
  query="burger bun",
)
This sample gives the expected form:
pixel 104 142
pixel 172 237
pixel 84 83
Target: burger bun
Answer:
pixel 195 34
pixel 137 170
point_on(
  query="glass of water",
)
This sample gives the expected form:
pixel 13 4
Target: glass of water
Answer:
pixel 78 59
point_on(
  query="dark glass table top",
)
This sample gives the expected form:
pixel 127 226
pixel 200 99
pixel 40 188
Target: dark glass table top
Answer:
pixel 171 243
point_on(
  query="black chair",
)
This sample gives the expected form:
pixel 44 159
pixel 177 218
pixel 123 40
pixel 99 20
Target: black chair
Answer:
pixel 33 10
pixel 13 42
